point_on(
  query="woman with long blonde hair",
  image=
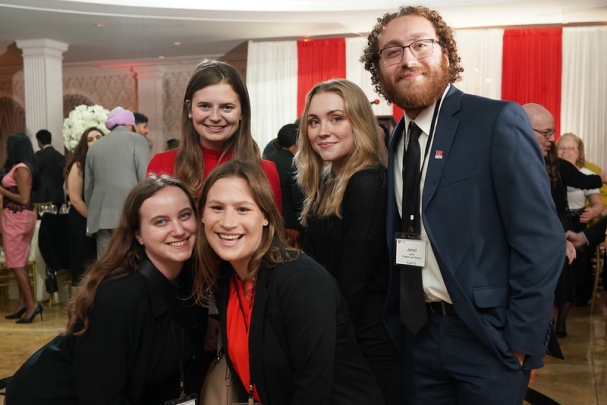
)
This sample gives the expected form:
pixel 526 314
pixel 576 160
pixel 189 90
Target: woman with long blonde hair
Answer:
pixel 342 172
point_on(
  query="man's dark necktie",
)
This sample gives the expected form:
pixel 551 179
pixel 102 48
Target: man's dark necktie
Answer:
pixel 412 302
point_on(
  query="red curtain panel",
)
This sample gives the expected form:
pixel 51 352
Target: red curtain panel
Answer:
pixel 531 68
pixel 318 60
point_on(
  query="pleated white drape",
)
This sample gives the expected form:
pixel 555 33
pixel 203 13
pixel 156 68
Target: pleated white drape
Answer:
pixel 481 57
pixel 272 81
pixel 355 72
pixel 584 89
pixel 272 84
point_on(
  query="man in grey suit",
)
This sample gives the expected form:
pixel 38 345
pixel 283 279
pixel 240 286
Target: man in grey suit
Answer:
pixel 114 165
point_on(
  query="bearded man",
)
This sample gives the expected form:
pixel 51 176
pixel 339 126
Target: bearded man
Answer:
pixel 472 228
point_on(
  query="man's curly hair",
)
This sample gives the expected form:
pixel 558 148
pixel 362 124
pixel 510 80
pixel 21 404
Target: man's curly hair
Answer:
pixel 371 58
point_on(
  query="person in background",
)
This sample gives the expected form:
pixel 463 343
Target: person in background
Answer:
pixel 273 146
pixel 83 249
pixel 476 247
pixel 172 144
pixel 562 174
pixel 141 127
pixel 285 326
pixel 598 170
pixel 51 165
pixel 19 220
pixel 133 333
pixel 593 235
pixel 216 127
pixel 343 176
pixel 141 124
pixel 292 195
pixel 571 148
pixel 113 166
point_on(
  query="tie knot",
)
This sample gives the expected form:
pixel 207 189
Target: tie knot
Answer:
pixel 414 132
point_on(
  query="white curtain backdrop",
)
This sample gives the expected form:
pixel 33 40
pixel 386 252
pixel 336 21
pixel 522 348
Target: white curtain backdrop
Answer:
pixel 272 84
pixel 481 57
pixel 584 89
pixel 355 72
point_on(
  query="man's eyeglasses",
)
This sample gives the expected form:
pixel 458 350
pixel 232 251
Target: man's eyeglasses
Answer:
pixel 393 55
pixel 549 133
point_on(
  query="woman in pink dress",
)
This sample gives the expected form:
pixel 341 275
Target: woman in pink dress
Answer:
pixel 19 219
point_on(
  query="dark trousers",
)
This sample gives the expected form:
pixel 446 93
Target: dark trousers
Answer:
pixel 446 364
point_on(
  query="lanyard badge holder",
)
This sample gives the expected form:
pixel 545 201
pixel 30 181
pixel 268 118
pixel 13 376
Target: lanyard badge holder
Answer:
pixel 191 399
pixel 410 248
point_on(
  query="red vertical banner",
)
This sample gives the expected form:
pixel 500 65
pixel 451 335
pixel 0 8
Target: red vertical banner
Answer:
pixel 397 112
pixel 318 60
pixel 531 68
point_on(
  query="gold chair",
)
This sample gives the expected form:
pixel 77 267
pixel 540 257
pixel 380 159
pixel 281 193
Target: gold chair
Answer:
pixel 598 273
pixel 7 278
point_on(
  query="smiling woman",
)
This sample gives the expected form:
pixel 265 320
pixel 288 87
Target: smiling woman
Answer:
pixel 132 306
pixel 216 127
pixel 340 169
pixel 285 326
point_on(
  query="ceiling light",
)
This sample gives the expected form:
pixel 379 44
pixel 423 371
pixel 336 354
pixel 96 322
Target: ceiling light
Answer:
pixel 161 57
pixel 100 25
pixel 176 43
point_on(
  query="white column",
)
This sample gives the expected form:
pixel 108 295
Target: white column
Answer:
pixel 43 85
pixel 149 99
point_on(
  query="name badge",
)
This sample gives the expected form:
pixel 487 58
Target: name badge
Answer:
pixel 186 400
pixel 410 250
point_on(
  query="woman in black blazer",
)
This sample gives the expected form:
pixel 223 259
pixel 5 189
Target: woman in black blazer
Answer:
pixel 133 327
pixel 287 333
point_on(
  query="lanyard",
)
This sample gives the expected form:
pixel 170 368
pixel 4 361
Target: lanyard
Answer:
pixel 237 288
pixel 179 351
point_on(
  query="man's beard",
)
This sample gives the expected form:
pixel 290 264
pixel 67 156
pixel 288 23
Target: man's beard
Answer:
pixel 414 96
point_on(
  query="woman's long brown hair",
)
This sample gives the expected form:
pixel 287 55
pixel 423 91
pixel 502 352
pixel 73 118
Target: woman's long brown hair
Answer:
pixel 124 253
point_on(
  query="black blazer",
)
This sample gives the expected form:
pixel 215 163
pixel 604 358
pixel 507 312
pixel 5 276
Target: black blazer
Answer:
pixel 51 165
pixel 128 355
pixel 302 344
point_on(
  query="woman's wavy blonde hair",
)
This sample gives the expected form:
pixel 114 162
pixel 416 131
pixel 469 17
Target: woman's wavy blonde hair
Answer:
pixel 323 188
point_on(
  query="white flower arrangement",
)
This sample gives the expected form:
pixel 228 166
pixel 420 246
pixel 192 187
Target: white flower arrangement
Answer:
pixel 79 120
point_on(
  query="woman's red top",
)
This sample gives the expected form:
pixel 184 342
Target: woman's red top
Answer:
pixel 164 163
pixel 238 321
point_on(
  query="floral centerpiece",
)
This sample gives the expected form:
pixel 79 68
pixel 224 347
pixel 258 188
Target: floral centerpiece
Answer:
pixel 79 120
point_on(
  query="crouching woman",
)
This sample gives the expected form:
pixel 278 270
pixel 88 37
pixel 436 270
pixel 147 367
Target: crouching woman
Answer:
pixel 134 334
pixel 287 333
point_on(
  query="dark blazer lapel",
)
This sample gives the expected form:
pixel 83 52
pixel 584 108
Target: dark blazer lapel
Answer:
pixel 256 336
pixel 393 218
pixel 441 145
pixel 222 295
